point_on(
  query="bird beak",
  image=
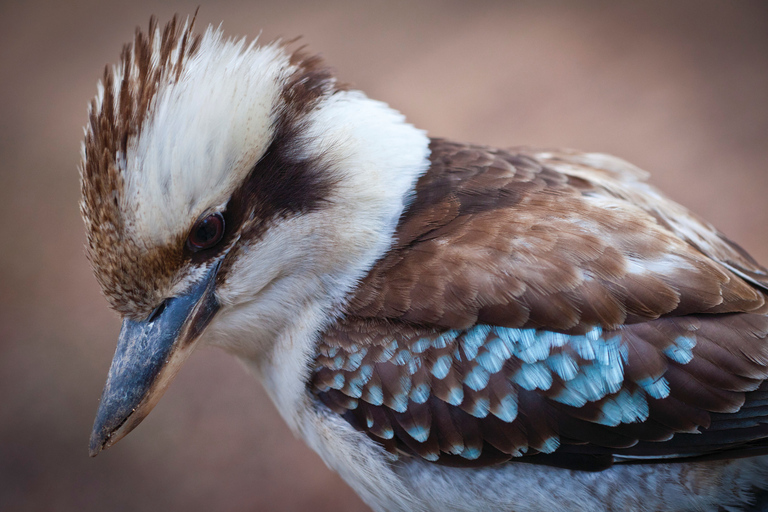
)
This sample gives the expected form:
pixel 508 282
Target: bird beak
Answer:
pixel 149 355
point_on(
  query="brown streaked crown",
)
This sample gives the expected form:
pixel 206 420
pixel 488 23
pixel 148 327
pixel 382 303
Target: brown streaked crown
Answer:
pixel 123 267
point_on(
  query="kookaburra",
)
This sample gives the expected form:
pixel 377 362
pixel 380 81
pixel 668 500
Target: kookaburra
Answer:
pixel 449 326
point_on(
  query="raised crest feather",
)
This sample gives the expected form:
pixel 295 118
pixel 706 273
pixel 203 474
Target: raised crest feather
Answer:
pixel 124 101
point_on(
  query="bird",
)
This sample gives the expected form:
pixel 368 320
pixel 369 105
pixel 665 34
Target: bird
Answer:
pixel 449 326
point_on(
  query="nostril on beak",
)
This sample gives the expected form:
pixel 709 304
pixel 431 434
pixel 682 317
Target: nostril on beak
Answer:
pixel 157 311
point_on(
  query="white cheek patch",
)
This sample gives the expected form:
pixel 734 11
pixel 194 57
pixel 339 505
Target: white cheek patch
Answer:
pixel 313 260
pixel 375 158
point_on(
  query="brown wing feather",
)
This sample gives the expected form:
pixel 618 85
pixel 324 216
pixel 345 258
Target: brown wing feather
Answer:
pixel 551 307
pixel 605 171
pixel 509 239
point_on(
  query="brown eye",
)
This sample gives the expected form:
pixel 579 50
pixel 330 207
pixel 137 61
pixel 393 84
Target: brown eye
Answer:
pixel 206 232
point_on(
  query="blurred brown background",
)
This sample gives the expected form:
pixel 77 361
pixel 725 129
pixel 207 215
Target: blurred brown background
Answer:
pixel 679 88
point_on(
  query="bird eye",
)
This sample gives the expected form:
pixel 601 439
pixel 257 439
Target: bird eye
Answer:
pixel 206 232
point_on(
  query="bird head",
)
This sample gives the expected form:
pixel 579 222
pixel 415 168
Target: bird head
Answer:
pixel 230 192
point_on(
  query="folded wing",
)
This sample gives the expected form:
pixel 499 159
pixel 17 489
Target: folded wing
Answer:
pixel 552 308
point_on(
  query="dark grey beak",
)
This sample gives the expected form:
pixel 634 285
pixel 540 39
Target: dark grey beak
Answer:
pixel 149 354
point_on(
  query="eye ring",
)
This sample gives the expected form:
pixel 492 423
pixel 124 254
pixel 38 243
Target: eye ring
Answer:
pixel 206 232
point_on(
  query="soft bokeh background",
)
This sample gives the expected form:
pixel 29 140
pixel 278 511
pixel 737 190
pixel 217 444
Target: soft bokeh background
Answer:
pixel 679 88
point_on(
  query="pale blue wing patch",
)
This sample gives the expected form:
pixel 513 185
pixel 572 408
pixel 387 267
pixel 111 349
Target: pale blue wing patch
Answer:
pixel 590 368
pixel 657 388
pixel 681 351
pixel 463 369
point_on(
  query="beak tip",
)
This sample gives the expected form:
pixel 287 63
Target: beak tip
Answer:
pixel 108 431
pixel 96 444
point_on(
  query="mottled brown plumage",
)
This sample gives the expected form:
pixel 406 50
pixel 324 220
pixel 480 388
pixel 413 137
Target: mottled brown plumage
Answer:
pixel 543 242
pixel 510 239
